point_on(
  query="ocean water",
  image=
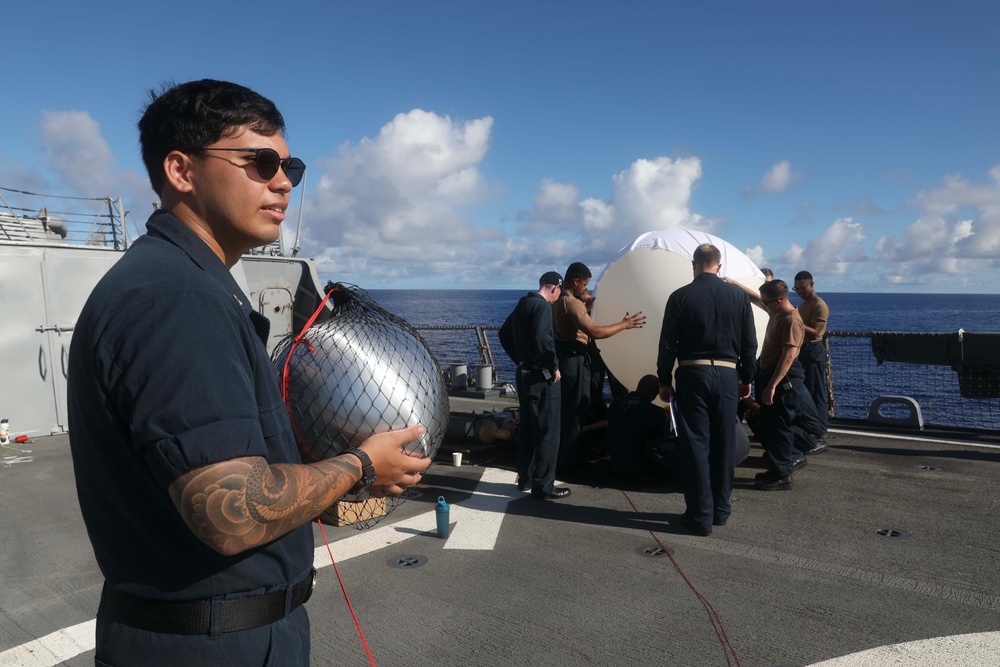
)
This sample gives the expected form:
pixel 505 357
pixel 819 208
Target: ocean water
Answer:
pixel 848 311
pixel 857 378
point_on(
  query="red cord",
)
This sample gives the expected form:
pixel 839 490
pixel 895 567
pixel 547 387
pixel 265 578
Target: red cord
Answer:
pixel 303 444
pixel 713 616
pixel 284 396
pixel 350 607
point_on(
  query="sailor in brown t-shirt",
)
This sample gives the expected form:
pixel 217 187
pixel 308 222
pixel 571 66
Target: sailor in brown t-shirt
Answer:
pixel 814 356
pixel 779 385
pixel 572 327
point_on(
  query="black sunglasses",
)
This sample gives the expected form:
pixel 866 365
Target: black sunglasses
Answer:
pixel 267 161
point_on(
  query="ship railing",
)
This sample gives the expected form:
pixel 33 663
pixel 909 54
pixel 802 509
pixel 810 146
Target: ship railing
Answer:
pixel 934 374
pixel 948 396
pixel 470 345
pixel 101 222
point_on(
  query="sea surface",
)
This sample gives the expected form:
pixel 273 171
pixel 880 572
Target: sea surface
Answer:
pixel 848 311
pixel 857 377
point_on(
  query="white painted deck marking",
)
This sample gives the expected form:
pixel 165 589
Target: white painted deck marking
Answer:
pixel 374 539
pixel 475 523
pixel 916 438
pixel 480 517
pixel 52 649
pixel 8 461
pixel 972 650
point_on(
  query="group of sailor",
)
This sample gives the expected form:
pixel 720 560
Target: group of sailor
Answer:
pixel 707 362
pixel 550 346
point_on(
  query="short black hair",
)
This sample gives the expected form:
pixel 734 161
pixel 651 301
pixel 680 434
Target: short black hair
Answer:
pixel 774 289
pixel 189 116
pixel 803 275
pixel 577 270
pixel 767 272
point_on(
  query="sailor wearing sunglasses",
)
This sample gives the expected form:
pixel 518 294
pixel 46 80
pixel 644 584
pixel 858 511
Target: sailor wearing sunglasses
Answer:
pixel 189 477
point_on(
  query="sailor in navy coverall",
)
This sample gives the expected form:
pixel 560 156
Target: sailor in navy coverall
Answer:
pixel 190 483
pixel 526 336
pixel 708 329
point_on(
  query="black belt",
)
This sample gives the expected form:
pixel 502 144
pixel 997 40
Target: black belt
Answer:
pixel 195 617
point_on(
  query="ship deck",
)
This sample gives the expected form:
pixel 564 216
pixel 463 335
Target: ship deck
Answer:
pixel 796 578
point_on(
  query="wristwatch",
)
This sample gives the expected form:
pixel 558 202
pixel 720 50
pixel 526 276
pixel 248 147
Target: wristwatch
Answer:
pixel 367 471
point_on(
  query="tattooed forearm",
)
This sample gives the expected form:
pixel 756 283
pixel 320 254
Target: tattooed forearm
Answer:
pixel 242 503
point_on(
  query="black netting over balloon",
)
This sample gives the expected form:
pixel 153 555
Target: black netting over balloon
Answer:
pixel 359 372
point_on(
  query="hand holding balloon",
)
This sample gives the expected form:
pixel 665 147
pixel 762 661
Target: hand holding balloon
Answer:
pixel 395 468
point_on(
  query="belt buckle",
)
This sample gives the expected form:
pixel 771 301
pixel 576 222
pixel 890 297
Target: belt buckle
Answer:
pixel 312 585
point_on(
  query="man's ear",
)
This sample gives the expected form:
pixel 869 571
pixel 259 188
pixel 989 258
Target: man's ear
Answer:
pixel 177 169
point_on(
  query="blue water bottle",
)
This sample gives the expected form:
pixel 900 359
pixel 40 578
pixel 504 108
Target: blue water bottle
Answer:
pixel 442 517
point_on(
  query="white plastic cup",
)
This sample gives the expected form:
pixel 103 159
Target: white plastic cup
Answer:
pixel 456 459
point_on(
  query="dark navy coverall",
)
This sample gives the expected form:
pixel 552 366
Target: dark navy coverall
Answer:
pixel 168 372
pixel 707 319
pixel 529 341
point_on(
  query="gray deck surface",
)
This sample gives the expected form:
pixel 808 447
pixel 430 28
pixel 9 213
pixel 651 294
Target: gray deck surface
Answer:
pixel 796 577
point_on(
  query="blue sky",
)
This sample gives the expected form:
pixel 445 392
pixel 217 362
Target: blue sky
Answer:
pixel 464 144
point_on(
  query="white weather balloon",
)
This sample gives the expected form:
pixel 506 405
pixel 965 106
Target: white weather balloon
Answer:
pixel 641 277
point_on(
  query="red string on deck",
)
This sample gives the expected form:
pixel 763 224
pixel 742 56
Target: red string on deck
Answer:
pixel 350 607
pixel 713 616
pixel 284 396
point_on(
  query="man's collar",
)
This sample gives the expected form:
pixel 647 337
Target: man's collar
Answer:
pixel 164 225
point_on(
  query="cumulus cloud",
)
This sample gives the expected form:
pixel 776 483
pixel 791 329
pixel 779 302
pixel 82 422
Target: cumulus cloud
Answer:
pixel 648 195
pixel 834 253
pixel 979 236
pixel 957 232
pixel 82 160
pixel 392 205
pixel 756 255
pixel 776 180
pixel 558 204
pixel 956 235
pixel 78 153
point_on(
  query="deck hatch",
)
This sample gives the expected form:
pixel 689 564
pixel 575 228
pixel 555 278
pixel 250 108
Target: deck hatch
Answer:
pixel 889 532
pixel 654 551
pixel 407 561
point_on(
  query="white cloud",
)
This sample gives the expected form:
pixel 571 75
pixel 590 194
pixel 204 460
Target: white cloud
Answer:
pixel 942 242
pixel 928 237
pixel 649 195
pixel 755 255
pixel 776 180
pixel 78 153
pixel 655 194
pixel 83 162
pixel 558 203
pixel 957 234
pixel 834 253
pixel 395 200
